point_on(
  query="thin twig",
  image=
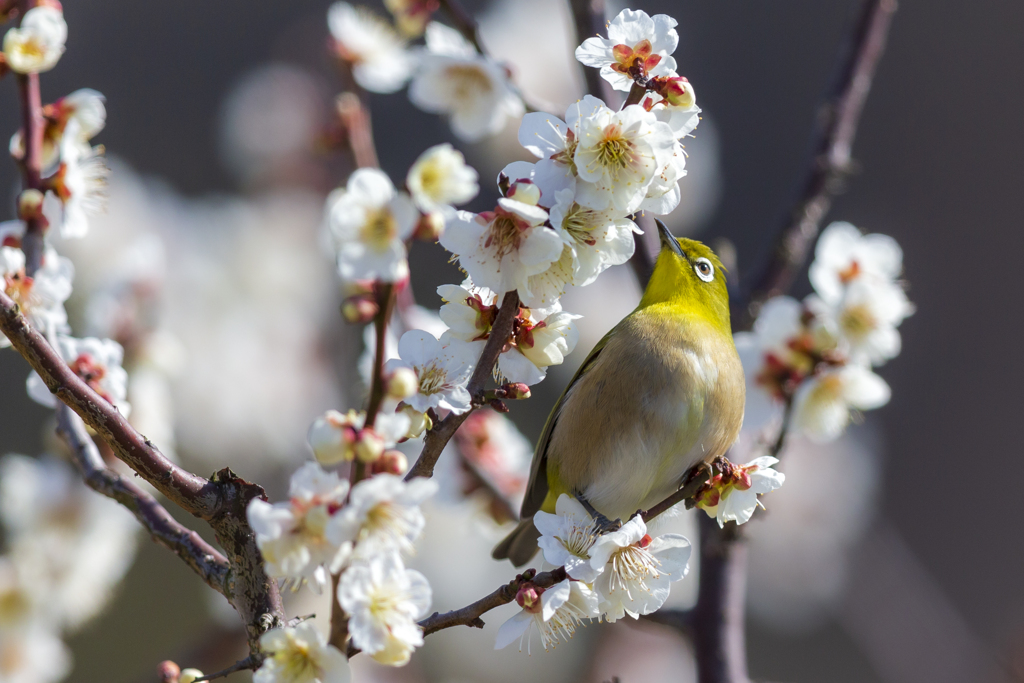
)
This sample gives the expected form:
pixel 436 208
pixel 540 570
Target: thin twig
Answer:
pixel 830 162
pixel 355 118
pixel 437 438
pixel 204 560
pixel 252 662
pixel 33 125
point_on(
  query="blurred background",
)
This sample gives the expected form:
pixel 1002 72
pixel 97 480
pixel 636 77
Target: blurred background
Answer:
pixel 893 555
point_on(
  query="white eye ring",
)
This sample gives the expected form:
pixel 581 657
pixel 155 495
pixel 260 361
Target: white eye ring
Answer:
pixel 705 271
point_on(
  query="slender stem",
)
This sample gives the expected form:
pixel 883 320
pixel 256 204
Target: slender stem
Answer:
pixel 204 560
pixel 355 118
pixel 437 438
pixel 33 125
pixel 386 303
pixel 830 162
pixel 636 94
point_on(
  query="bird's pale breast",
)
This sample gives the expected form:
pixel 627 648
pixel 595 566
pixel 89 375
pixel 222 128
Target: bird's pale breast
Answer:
pixel 661 396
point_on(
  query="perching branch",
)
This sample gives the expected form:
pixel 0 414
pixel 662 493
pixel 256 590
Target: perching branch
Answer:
pixel 221 501
pixel 831 161
pixel 437 438
pixel 203 558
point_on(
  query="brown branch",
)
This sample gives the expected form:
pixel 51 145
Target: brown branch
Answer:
pixel 221 501
pixel 252 662
pixel 355 119
pixel 204 560
pixel 831 160
pixel 33 125
pixel 438 437
pixel 718 618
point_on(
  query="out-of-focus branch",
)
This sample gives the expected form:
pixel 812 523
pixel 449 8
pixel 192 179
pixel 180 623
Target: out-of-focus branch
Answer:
pixel 355 119
pixel 204 560
pixel 463 22
pixel 437 438
pixel 589 20
pixel 840 116
pixel 221 501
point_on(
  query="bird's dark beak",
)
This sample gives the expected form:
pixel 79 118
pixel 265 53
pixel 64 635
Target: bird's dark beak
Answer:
pixel 667 240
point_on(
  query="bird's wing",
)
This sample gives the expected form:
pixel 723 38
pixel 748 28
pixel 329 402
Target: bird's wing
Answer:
pixel 537 489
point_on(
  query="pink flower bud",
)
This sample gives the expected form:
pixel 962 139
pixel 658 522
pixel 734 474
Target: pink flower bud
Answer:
pixel 430 227
pixel 678 92
pixel 391 462
pixel 359 309
pixel 528 597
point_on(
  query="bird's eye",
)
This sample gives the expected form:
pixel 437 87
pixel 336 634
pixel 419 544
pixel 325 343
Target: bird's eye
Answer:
pixel 705 271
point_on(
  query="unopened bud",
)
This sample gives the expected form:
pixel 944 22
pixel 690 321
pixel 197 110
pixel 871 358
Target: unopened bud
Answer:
pixel 30 204
pixel 514 391
pixel 498 405
pixel 391 462
pixel 402 383
pixel 430 227
pixel 189 675
pixel 168 671
pixel 528 597
pixel 359 309
pixel 331 436
pixel 524 191
pixel 369 447
pixel 418 422
pixel 679 92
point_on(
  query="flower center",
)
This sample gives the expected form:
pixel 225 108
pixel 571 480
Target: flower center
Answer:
pixel 433 380
pixel 297 664
pixel 504 235
pixel 579 539
pixel 633 565
pixel 580 223
pixel 468 81
pixel 615 152
pixel 19 287
pixel 379 229
pixel 858 321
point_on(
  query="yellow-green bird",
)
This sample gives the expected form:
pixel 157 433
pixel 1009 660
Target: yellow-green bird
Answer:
pixel 661 392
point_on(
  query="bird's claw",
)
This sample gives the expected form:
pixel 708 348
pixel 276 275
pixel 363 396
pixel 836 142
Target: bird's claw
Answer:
pixel 605 525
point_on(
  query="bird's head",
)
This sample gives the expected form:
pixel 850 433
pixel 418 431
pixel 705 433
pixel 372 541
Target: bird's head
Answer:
pixel 689 278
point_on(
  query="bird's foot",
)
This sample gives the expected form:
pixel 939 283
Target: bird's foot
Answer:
pixel 602 524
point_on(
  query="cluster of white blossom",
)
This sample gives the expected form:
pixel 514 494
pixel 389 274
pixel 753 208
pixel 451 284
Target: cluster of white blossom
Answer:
pixel 818 354
pixel 66 551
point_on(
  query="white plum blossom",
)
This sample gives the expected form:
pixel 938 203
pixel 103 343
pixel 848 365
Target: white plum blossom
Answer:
pixel 80 183
pixel 97 362
pixel 41 297
pixel 637 570
pixel 37 44
pixel 504 249
pixel 822 404
pixel 383 601
pixel 441 178
pixel 596 239
pixel 541 337
pixel 382 516
pixel 566 538
pixel 300 655
pixel 553 611
pixel 843 255
pixel 76 118
pixel 332 436
pixel 370 222
pixel 454 79
pixel 618 155
pixel 443 371
pixel 734 498
pixel 632 35
pixel 380 61
pixel 865 319
pixel 292 535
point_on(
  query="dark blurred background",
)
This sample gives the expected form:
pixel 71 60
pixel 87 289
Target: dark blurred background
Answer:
pixel 939 155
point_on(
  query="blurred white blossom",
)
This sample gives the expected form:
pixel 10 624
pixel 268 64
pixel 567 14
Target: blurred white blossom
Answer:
pixel 41 297
pixel 37 44
pixel 97 362
pixel 454 79
pixel 822 405
pixel 382 516
pixel 380 62
pixel 441 178
pixel 843 254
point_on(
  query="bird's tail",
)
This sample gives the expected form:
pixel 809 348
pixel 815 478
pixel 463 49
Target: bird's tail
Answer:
pixel 520 545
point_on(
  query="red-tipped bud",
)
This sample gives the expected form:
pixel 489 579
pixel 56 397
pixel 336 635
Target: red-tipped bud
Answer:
pixel 391 462
pixel 168 671
pixel 30 204
pixel 498 405
pixel 359 309
pixel 678 92
pixel 528 597
pixel 513 391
